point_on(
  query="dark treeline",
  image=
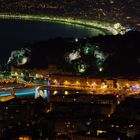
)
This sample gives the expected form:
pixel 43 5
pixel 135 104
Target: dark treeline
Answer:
pixel 122 51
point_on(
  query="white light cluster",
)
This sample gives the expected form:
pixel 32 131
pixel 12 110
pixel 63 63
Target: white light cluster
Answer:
pixel 75 54
pixel 18 57
pixel 100 58
pixel 99 55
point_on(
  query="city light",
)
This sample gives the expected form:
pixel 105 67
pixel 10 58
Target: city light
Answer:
pixel 75 54
pixel 77 75
pixel 18 93
pixel 66 92
pixel 55 92
pixel 92 23
pixel 66 83
pixel 77 83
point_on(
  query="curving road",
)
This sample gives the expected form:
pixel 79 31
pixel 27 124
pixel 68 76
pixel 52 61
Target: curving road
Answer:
pixel 105 26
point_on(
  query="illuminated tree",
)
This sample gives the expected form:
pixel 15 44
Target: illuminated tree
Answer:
pixel 89 49
pixel 19 57
pixel 80 66
pixel 75 54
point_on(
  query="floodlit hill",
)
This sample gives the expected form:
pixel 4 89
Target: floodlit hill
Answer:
pixel 102 55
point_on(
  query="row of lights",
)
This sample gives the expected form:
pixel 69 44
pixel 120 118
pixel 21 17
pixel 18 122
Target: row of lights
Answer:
pixel 77 83
pixel 56 92
pixel 94 85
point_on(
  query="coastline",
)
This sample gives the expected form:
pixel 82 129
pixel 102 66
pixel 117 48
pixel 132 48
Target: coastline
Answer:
pixel 107 27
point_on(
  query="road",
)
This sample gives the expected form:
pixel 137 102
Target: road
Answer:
pixel 108 27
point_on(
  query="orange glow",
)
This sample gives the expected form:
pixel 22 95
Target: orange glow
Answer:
pixel 77 83
pixel 93 84
pixel 55 81
pixel 66 83
pixel 103 86
pixel 88 83
pixel 25 138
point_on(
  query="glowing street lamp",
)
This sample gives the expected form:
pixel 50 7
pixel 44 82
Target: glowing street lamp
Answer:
pixel 103 86
pixel 87 83
pixel 55 92
pixel 93 84
pixel 77 83
pixel 66 83
pixel 66 92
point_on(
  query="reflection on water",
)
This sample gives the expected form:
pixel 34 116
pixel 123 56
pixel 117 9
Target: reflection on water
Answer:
pixel 36 92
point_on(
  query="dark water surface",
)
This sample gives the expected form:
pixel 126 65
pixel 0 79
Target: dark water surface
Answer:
pixel 15 33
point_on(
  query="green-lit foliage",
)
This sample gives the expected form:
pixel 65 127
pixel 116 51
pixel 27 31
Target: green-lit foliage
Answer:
pixel 89 49
pixel 80 66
